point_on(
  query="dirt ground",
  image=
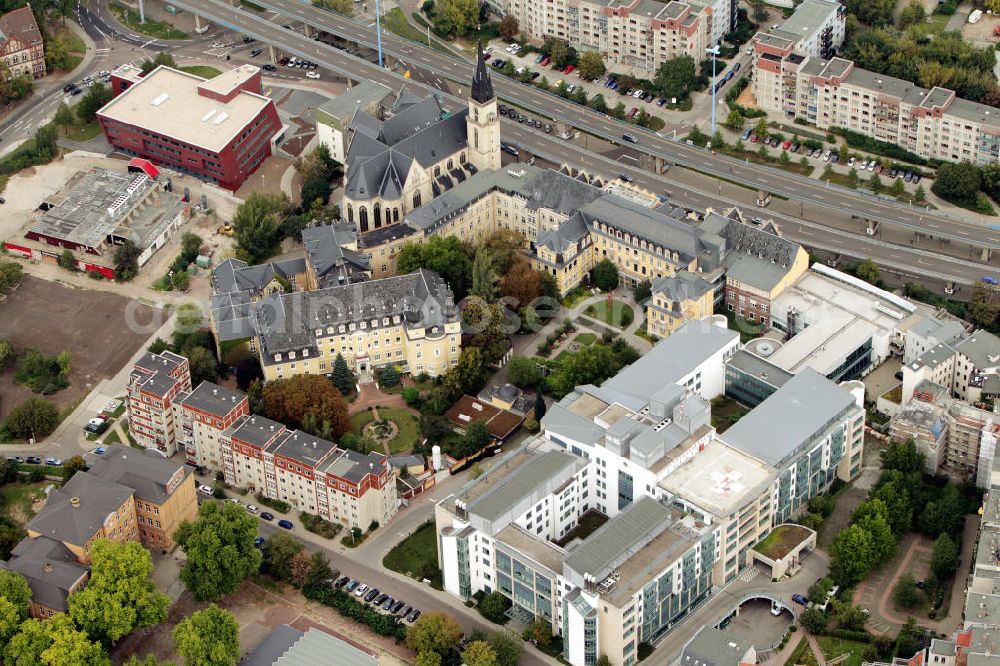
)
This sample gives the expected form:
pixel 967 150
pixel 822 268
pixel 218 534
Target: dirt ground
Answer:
pixel 52 318
pixel 981 31
pixel 258 611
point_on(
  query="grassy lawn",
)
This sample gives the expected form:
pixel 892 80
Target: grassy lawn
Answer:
pixel 589 522
pixel 842 180
pixel 834 647
pixel 747 330
pixel 395 21
pixel 204 71
pixel 803 654
pixel 18 498
pixel 586 339
pixel 84 132
pixel 575 296
pixel 599 311
pixel 409 427
pixel 157 29
pixel 414 553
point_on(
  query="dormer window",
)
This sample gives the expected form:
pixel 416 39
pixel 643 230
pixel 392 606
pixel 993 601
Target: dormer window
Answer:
pixel 291 355
pixel 305 352
pixel 277 357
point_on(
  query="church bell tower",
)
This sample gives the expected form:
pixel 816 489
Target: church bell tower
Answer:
pixel 483 121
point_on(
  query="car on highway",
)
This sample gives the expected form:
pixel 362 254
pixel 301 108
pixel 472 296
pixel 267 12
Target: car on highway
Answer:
pixel 285 524
pixel 33 460
pixel 68 87
pixel 53 462
pixel 625 178
pixel 799 599
pixel 630 138
pixel 266 515
pixel 312 75
pixel 372 595
pixel 360 592
pixel 413 616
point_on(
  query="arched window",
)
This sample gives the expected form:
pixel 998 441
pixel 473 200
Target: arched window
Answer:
pixel 462 158
pixel 350 213
pixel 416 199
pixel 363 216
pixel 475 137
pixel 377 215
pixel 395 215
pixel 449 160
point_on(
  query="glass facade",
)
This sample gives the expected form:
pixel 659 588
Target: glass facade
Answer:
pixel 855 363
pixel 746 388
pixel 625 492
pixel 464 574
pixel 522 584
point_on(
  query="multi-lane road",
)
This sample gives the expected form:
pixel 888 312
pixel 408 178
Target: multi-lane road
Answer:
pixel 452 68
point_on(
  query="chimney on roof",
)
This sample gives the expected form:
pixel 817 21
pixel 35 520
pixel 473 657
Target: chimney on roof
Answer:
pixel 74 502
pixel 47 568
pixel 215 391
pixel 272 428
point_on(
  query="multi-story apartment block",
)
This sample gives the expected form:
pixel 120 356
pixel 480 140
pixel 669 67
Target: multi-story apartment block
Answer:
pixel 154 385
pixel 816 28
pixel 678 299
pixel 125 495
pixel 407 320
pixel 968 367
pixel 935 124
pixel 21 46
pixel 310 473
pixel 201 417
pixel 640 34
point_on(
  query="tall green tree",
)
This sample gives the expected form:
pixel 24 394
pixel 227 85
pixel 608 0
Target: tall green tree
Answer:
pixel 455 17
pixel 162 58
pixel 54 641
pixel 484 276
pixel 126 260
pixel 434 631
pixel 957 182
pixel 872 516
pixel 851 555
pixel 278 552
pixel 479 653
pixel 944 557
pixel 605 275
pixel 442 254
pixel 220 550
pixel 591 365
pixel 341 375
pixel 15 602
pixel 591 65
pixel 675 77
pixel 735 120
pixel 505 647
pixel 208 637
pixel 120 596
pixel 257 225
pixel 523 372
pixel 868 271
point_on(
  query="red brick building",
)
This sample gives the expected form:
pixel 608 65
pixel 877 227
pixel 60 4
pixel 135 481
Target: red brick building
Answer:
pixel 220 129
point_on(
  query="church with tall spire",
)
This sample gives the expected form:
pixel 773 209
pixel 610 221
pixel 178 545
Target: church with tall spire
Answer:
pixel 407 152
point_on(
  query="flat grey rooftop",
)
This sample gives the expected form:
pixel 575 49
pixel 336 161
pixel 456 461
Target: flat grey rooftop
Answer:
pixel 790 417
pixel 516 487
pixel 759 368
pixel 213 399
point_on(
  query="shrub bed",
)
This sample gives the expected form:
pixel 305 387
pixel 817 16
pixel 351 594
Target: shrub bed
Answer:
pixel 276 504
pixel 346 605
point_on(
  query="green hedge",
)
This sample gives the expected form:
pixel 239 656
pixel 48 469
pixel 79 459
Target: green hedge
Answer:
pixel 867 143
pixel 346 605
pixel 276 504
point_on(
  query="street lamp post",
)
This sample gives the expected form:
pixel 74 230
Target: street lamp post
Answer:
pixel 714 51
pixel 378 31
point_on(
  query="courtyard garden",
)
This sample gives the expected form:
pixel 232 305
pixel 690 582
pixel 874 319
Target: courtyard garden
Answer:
pixel 618 314
pixel 398 429
pixel 416 555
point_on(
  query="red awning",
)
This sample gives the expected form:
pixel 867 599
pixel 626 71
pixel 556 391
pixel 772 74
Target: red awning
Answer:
pixel 138 164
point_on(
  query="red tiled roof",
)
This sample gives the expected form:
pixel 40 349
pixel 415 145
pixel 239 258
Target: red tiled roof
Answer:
pixel 500 422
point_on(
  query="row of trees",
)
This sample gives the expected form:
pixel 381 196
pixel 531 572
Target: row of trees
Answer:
pixel 903 500
pixel 965 183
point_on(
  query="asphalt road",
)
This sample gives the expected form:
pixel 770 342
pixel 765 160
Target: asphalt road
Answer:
pixel 659 145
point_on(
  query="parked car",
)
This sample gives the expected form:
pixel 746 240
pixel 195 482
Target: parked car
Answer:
pixel 899 375
pixel 548 128
pixel 851 161
pixel 569 69
pixel 737 66
pixel 787 144
pixel 893 173
pixel 15 459
pixel 871 165
pixel 878 168
pixel 775 608
pixel 360 592
pixel 265 515
pixel 252 509
pixel 234 501
pixel 387 604
pixel 53 462
pixel 916 178
pixel 351 585
pixel 540 58
pixel 68 87
pixel 412 617
pixel 908 176
pixel 545 61
pixel 795 147
pixel 285 524
pixel 205 490
pixel 380 599
pixel 342 582
pixel 372 594
pixel 396 607
pixel 258 542
pixel 100 451
pixel 33 460
pixel 404 611
pixel 312 75
pixel 826 156
pixel 256 52
pixel 268 67
pixel 835 158
pixel 746 135
pixel 799 599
